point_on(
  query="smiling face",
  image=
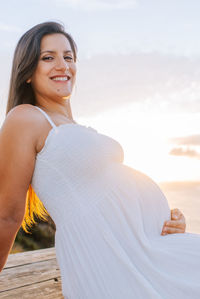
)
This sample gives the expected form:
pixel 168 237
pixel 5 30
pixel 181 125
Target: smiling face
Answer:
pixel 55 74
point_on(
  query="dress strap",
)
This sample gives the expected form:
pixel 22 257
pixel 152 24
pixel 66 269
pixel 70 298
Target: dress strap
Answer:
pixel 46 116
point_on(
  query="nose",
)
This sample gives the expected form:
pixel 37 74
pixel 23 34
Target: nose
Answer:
pixel 61 64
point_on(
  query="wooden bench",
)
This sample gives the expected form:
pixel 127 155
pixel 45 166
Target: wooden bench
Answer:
pixel 31 274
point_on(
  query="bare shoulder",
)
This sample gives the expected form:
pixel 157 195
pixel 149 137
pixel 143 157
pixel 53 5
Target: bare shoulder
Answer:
pixel 21 115
pixel 24 115
pixel 21 122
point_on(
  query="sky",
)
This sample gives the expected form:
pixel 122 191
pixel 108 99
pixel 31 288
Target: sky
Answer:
pixel 138 74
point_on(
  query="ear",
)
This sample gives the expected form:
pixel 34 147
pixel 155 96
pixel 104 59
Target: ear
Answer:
pixel 28 81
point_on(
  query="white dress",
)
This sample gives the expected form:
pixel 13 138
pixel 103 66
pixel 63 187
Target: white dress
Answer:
pixel 109 219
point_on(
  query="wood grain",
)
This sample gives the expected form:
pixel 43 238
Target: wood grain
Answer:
pixel 31 274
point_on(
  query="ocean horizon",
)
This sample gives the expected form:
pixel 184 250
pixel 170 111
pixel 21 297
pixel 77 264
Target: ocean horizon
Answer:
pixel 185 195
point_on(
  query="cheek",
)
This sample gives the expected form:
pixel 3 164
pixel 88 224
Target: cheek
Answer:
pixel 38 84
pixel 43 69
pixel 39 76
pixel 74 74
pixel 73 81
pixel 73 69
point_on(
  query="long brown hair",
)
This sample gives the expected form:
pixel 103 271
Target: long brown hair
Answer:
pixel 25 61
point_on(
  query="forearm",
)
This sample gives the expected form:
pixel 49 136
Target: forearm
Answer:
pixel 8 231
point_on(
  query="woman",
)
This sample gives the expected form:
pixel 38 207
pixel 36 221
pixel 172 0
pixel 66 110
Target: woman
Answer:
pixel 109 218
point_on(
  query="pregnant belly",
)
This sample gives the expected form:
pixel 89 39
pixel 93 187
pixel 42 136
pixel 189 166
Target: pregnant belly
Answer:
pixel 141 199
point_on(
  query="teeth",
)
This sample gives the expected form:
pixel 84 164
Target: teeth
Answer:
pixel 60 79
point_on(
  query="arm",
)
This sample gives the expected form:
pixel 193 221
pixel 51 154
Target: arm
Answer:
pixel 176 225
pixel 17 161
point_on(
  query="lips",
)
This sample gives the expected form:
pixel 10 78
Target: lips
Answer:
pixel 62 78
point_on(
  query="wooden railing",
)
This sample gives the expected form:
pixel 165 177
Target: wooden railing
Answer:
pixel 31 274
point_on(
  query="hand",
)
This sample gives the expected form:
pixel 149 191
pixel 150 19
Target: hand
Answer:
pixel 176 225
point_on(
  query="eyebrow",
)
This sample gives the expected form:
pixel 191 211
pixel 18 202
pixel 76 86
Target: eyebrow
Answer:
pixel 53 52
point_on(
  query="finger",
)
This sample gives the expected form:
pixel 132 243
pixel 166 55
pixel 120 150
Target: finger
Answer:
pixel 176 214
pixel 169 229
pixel 174 211
pixel 173 231
pixel 174 224
pixel 179 216
pixel 180 220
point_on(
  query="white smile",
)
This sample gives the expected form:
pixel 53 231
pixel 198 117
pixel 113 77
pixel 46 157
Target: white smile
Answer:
pixel 60 78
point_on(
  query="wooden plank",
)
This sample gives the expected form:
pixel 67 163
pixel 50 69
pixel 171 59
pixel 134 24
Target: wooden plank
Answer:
pixel 28 257
pixel 31 274
pixel 50 289
pixel 21 276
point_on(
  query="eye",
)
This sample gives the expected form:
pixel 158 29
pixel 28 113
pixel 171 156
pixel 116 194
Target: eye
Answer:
pixel 47 58
pixel 68 58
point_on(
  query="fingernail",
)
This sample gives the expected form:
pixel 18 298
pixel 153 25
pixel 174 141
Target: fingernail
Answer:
pixel 164 229
pixel 163 233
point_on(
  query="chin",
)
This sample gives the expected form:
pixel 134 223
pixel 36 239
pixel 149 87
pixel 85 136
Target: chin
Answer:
pixel 63 96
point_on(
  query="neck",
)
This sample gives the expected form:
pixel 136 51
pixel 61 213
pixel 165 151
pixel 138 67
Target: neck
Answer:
pixel 63 109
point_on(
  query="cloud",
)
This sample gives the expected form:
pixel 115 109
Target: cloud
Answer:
pixel 186 146
pixel 155 81
pixel 193 140
pixel 186 152
pixel 98 4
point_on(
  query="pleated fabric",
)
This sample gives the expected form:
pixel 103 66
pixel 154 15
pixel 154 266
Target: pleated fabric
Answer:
pixel 109 219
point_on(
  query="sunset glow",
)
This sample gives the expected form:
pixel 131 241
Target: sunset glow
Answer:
pixel 138 80
pixel 146 139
